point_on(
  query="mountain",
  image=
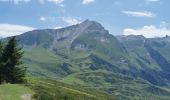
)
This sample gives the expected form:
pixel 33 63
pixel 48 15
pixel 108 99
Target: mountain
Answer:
pixel 128 67
pixel 152 54
pixel 63 47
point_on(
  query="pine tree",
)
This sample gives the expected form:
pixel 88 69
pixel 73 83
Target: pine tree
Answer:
pixel 12 68
pixel 1 49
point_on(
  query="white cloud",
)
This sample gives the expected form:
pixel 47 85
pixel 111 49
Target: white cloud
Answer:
pixel 58 27
pixel 148 31
pixel 42 1
pixel 152 0
pixel 43 18
pixel 16 1
pixel 12 30
pixel 139 13
pixel 56 1
pixel 20 1
pixel 71 20
pixel 25 1
pixel 85 2
pixel 48 18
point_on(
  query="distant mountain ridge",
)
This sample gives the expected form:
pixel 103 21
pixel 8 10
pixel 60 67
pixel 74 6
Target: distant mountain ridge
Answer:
pixel 86 54
pixel 153 51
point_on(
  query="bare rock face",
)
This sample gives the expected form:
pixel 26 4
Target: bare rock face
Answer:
pixel 82 36
pixel 53 36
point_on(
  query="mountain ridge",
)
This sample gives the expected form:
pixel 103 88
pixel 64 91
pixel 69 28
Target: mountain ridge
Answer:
pixel 86 54
pixel 90 37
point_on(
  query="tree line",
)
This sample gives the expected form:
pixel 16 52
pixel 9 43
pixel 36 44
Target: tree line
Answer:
pixel 11 65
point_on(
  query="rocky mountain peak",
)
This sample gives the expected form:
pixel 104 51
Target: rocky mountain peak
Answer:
pixel 92 25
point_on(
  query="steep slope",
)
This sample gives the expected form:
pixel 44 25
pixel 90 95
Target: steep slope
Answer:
pixel 151 56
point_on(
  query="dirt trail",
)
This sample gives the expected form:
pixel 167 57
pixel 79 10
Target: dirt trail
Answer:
pixel 26 97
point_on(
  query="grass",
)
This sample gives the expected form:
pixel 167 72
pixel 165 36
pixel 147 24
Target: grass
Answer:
pixel 71 79
pixel 13 91
pixel 46 89
pixel 42 62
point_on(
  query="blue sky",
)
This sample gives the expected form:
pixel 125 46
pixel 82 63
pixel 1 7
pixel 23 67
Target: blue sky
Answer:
pixel 139 17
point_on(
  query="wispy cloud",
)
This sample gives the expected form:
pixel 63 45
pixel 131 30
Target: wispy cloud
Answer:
pixel 150 31
pixel 56 1
pixel 25 1
pixel 152 0
pixel 139 13
pixel 71 20
pixel 11 29
pixel 48 18
pixel 16 1
pixel 58 27
pixel 42 1
pixel 42 18
pixel 85 2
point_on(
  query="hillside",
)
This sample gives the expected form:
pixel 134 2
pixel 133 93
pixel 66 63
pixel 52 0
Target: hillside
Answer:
pixel 46 89
pixel 152 55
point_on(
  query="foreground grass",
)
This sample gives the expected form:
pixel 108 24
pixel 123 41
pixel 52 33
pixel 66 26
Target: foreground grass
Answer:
pixel 53 90
pixel 13 91
pixel 46 89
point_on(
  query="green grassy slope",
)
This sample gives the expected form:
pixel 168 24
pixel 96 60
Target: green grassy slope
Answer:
pixel 42 62
pixel 14 92
pixel 123 87
pixel 46 89
pixel 90 71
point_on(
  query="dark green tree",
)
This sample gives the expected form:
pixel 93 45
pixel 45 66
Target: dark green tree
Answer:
pixel 12 69
pixel 1 49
